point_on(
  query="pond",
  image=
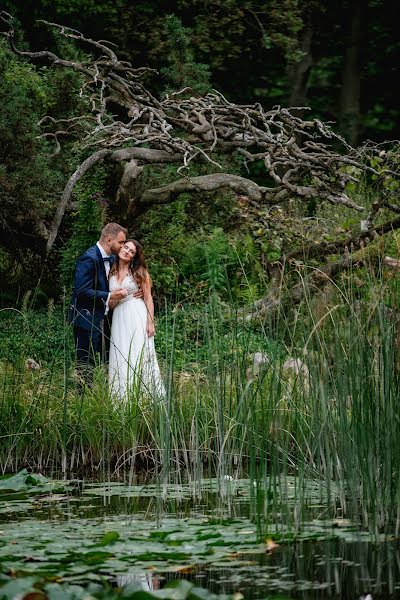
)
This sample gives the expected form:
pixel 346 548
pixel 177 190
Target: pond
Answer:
pixel 90 539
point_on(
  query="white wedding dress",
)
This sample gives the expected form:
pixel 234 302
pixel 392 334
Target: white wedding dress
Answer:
pixel 133 365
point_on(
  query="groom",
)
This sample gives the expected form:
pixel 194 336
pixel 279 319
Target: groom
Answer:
pixel 91 296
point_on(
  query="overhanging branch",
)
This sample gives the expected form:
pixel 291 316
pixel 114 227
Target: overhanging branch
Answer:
pixel 299 155
pixel 211 183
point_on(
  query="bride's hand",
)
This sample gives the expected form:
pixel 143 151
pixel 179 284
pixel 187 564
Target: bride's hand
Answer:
pixel 150 328
pixel 118 295
pixel 112 304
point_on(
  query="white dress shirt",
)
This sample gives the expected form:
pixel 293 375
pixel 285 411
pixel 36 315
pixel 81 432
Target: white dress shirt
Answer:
pixel 107 267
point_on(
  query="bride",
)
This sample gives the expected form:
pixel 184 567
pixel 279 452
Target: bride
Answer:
pixel 133 360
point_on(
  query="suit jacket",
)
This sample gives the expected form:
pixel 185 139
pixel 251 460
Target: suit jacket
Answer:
pixel 90 291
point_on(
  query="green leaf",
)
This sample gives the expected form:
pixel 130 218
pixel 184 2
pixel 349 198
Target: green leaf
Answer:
pixel 181 588
pixel 108 538
pixel 22 481
pixel 17 588
pixel 95 557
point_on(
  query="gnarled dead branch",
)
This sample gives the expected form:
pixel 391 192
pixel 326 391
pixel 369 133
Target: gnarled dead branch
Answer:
pixel 299 155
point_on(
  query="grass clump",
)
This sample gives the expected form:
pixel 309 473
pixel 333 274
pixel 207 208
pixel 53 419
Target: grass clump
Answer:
pixel 312 396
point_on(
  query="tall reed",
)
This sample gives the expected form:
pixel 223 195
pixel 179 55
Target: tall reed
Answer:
pixel 334 422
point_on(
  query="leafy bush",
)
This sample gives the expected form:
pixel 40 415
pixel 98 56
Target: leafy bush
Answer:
pixel 86 225
pixel 183 71
pixel 36 334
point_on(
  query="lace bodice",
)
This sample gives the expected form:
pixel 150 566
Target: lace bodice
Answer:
pixel 128 283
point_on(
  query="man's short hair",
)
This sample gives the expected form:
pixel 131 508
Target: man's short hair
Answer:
pixel 112 230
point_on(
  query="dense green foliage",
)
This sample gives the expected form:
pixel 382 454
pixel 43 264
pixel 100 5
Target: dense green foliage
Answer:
pixel 251 47
pixel 183 70
pixel 249 52
pixel 284 374
pixel 85 224
pixel 334 419
pixel 31 177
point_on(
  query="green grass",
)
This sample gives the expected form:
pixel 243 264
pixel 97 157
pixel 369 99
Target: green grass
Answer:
pixel 338 425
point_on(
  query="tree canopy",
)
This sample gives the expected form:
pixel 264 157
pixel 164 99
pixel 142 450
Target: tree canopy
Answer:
pixel 114 113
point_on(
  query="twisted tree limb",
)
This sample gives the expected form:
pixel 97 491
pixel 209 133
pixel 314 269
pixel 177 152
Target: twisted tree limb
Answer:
pixel 75 177
pixel 351 243
pixel 210 183
pixel 298 154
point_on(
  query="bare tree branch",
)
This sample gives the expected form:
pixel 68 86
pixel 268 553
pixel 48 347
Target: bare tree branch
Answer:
pixel 299 155
pixel 75 177
pixel 351 243
pixel 210 183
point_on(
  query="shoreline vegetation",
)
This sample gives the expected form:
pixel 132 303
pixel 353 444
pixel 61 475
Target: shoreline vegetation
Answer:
pixel 268 208
pixel 311 394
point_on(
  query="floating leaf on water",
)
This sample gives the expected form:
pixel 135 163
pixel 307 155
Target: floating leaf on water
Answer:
pixel 21 481
pixel 28 483
pixel 95 557
pixel 159 535
pixel 210 535
pixel 110 537
pixel 17 588
pixel 52 498
pixel 56 591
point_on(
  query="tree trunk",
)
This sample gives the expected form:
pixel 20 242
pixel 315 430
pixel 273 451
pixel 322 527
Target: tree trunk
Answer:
pixel 299 72
pixel 351 77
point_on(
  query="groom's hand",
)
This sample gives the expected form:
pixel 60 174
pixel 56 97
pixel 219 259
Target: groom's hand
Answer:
pixel 138 293
pixel 118 295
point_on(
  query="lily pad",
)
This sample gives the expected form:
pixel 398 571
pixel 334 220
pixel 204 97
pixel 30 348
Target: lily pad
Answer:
pixel 29 483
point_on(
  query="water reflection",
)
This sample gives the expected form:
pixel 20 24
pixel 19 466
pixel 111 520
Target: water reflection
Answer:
pixel 337 563
pixel 148 581
pixel 310 570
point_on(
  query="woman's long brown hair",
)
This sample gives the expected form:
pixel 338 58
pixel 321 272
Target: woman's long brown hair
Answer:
pixel 137 266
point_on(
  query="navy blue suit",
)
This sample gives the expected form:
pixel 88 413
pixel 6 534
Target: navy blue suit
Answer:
pixel 88 304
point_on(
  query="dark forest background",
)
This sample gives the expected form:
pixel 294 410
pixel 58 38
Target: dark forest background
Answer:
pixel 341 59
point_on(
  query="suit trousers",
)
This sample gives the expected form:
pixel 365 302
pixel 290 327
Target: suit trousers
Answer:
pixel 88 344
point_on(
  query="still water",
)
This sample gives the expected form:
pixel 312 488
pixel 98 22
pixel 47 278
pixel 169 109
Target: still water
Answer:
pixel 230 538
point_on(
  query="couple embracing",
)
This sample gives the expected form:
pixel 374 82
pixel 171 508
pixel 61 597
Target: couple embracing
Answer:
pixel 111 277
